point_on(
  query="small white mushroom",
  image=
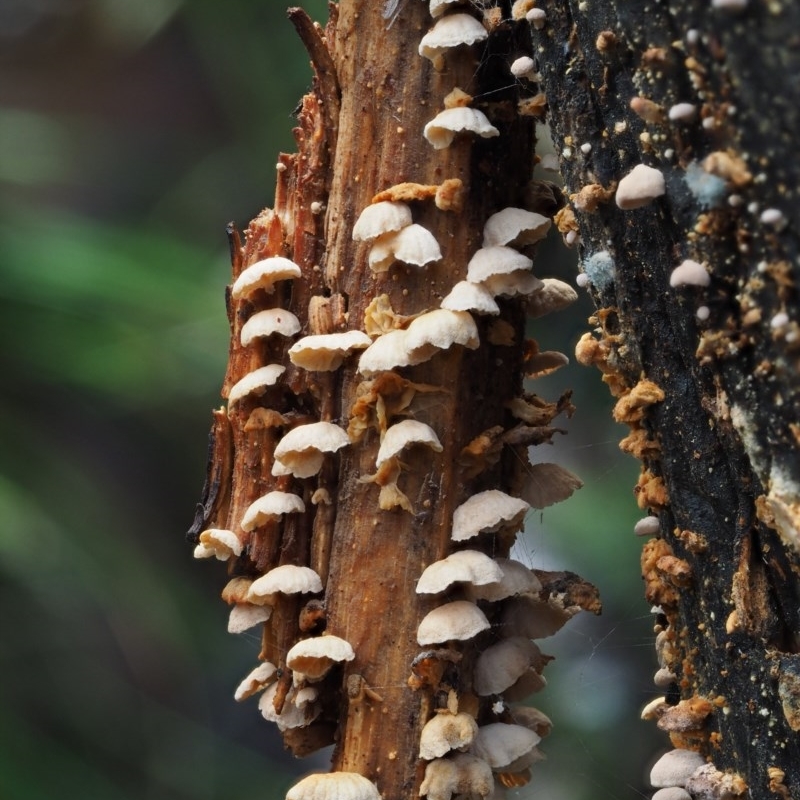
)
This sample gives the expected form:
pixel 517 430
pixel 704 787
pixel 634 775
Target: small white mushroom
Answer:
pixel 689 273
pixel 269 507
pixel 458 620
pixel 773 217
pixel 640 187
pixel 334 786
pixel 286 579
pixel 302 450
pixel 442 129
pixel 439 330
pixel 451 31
pixel 222 544
pixel 501 744
pixel 515 226
pixel 291 715
pixel 387 352
pixel 438 7
pixel 264 275
pixel 553 295
pixel 445 732
pixel 463 774
pixel 244 616
pixel 463 566
pixel 487 512
pixel 314 658
pixel 682 112
pixel 265 323
pixel 503 664
pixel 414 245
pixel 537 17
pixel 495 260
pixel 532 718
pixel 517 579
pixel 255 681
pixel 523 68
pixel 326 351
pixel 519 282
pixel 255 382
pixel 675 768
pixel 378 219
pixel 647 526
pixel 466 296
pixel 672 793
pixel 404 434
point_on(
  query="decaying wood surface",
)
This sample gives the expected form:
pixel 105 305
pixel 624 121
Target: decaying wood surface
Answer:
pixel 360 133
pixel 707 375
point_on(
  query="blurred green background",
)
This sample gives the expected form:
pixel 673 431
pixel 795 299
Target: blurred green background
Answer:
pixel 131 132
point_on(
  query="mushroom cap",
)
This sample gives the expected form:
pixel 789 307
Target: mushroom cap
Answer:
pixel 640 187
pixel 503 664
pixel 521 281
pixel 445 732
pixel 223 544
pixel 437 7
pixel 265 323
pixel 256 680
pixel 439 330
pixel 402 435
pixel 462 774
pixel 457 620
pixel 286 579
pixel 532 618
pixel 466 296
pixel 502 743
pixel 647 526
pixel 451 31
pixel 532 718
pixel 244 616
pixel 522 67
pixel 255 382
pixel 334 786
pixel 671 793
pixel 487 512
pixel 463 566
pixel 515 225
pixel 495 260
pixel 381 218
pixel 414 245
pixel 549 483
pixel 301 449
pixel 326 351
pixel 315 657
pixel 270 506
pixel 517 579
pixel 442 129
pixel 691 273
pixel 387 352
pixel 675 768
pixel 291 716
pixel 263 275
pixel 553 295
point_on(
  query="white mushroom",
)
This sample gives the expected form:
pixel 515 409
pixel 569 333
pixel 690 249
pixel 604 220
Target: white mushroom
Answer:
pixel 437 7
pixel 515 225
pixel 517 579
pixel 286 579
pixel 501 744
pixel 647 526
pixel 269 507
pixel 302 450
pixel 463 566
pixel 256 680
pixel 291 715
pixel 244 616
pixel 326 351
pixel 675 768
pixel 463 774
pixel 414 245
pixel 533 619
pixel 442 129
pixel 691 273
pixel 445 732
pixel 486 512
pixel 439 330
pixel 388 351
pixel 314 658
pixel 451 31
pixel 459 620
pixel 466 296
pixel 255 382
pixel 523 67
pixel 404 434
pixel 640 187
pixel 495 260
pixel 334 786
pixel 219 543
pixel 503 664
pixel 263 275
pixel 381 218
pixel 521 281
pixel 553 295
pixel 265 323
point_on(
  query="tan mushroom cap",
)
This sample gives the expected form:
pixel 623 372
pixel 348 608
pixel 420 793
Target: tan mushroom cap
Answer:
pixel 255 382
pixel 463 774
pixel 442 129
pixel 463 566
pixel 534 619
pixel 302 449
pixel 221 543
pixel 263 275
pixel 265 323
pixel 532 718
pixel 501 744
pixel 445 732
pixel 378 219
pixel 495 260
pixel 438 7
pixel 404 434
pixel 487 512
pixel 326 351
pixel 286 579
pixel 502 664
pixel 244 616
pixel 549 483
pixel 451 31
pixel 459 620
pixel 414 245
pixel 334 786
pixel 517 579
pixel 553 295
pixel 466 296
pixel 269 507
pixel 519 282
pixel 256 680
pixel 315 657
pixel 515 225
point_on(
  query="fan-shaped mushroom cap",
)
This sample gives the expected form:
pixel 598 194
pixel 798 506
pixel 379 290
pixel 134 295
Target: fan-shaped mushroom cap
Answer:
pixel 255 681
pixel 639 187
pixel 387 352
pixel 534 619
pixel 255 382
pixel 334 786
pixel 263 275
pixel 442 129
pixel 486 512
pixel 380 218
pixel 501 743
pixel 464 566
pixel 402 435
pixel 532 718
pixel 315 657
pixel 503 664
pixel 675 768
pixel 495 260
pixel 463 774
pixel 220 543
pixel 438 7
pixel 244 616
pixel 301 450
pixel 457 620
pixel 689 272
pixel 515 225
pixel 553 295
pixel 445 732
pixel 326 351
pixel 521 281
pixel 286 579
pixel 517 579
pixel 439 330
pixel 271 506
pixel 451 31
pixel 265 323
pixel 466 296
pixel 549 483
pixel 291 715
pixel 414 245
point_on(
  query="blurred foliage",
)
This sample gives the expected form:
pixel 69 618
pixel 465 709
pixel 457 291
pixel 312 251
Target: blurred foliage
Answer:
pixel 130 133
